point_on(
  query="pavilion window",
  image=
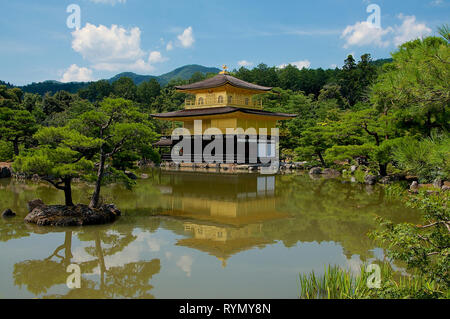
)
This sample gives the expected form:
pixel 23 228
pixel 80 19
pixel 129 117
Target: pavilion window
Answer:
pixel 230 99
pixel 246 101
pixel 220 99
pixel 200 101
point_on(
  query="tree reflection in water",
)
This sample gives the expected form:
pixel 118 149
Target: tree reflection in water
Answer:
pixel 131 280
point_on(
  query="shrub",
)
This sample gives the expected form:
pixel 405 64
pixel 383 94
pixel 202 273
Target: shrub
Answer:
pixel 6 151
pixel 423 248
pixel 427 158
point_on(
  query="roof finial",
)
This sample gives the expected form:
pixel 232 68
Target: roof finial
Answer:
pixel 224 71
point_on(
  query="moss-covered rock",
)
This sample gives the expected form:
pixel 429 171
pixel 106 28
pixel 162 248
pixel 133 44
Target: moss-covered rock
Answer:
pixel 78 215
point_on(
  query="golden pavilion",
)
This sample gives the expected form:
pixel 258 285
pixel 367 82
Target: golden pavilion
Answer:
pixel 225 102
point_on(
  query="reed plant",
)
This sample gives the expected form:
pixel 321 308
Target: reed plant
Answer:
pixel 338 283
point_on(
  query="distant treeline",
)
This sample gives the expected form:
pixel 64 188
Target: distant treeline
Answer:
pixel 309 80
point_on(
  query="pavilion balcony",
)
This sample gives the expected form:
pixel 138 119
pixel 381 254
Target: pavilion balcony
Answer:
pixel 213 101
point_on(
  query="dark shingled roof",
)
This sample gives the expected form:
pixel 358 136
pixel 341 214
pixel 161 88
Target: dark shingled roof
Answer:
pixel 163 142
pixel 222 79
pixel 219 111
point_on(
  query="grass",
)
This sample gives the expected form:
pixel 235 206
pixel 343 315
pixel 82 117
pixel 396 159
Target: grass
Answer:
pixel 337 283
pixel 395 191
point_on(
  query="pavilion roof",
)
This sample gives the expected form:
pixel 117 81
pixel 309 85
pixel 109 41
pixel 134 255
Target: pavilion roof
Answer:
pixel 219 111
pixel 222 79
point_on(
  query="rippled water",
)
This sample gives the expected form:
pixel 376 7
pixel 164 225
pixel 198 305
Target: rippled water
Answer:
pixel 194 235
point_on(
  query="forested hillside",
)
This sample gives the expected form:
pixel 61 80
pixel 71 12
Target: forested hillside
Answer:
pixel 182 73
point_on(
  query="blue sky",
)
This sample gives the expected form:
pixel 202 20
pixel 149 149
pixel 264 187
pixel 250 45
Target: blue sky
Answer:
pixel 154 37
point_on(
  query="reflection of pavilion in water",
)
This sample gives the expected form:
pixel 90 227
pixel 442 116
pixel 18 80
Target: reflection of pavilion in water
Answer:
pixel 222 218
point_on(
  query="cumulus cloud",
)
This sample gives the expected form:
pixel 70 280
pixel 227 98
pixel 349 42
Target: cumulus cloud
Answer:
pixel 77 74
pixel 410 30
pixel 169 46
pixel 156 57
pixel 244 63
pixel 299 64
pixel 364 33
pixel 102 44
pixel 186 38
pixel 138 66
pixel 114 48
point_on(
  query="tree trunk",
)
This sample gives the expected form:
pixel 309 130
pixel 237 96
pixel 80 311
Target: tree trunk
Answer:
pixel 96 195
pixel 68 191
pixel 321 159
pixel 16 146
pixel 383 169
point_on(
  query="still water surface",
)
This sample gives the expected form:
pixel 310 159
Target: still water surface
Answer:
pixel 194 235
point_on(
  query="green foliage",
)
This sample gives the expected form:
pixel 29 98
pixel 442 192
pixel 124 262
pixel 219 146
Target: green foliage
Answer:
pixel 395 191
pixel 423 248
pixel 124 88
pixel 444 31
pixel 355 78
pixel 308 81
pixel 6 151
pixel 314 142
pixel 337 283
pixel 123 131
pixel 360 175
pixel 148 91
pixel 334 284
pixel 415 86
pixel 96 91
pixel 427 158
pixel 52 87
pixel 16 125
pixel 60 154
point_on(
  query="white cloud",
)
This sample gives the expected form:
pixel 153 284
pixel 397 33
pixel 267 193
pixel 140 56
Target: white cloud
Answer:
pixel 138 65
pixel 156 57
pixel 111 2
pixel 437 3
pixel 186 38
pixel 244 63
pixel 77 74
pixel 114 48
pixel 364 33
pixel 409 30
pixel 102 44
pixel 169 46
pixel 299 64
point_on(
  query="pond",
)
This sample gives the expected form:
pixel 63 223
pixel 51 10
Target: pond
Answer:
pixel 194 235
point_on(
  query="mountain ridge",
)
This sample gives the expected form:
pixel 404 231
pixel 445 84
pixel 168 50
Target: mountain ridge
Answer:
pixel 184 72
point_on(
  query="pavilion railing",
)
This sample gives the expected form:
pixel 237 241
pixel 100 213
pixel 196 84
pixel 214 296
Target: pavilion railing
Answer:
pixel 215 101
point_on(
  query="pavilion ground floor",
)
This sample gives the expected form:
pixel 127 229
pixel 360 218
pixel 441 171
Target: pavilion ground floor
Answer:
pixel 227 149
